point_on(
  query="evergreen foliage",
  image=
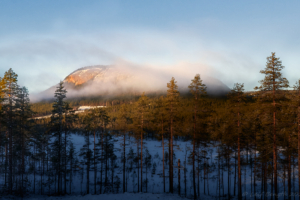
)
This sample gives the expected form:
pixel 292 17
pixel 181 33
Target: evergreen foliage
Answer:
pixel 244 142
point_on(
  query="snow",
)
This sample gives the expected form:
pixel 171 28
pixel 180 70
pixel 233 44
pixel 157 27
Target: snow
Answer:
pixel 125 196
pixel 89 107
pixel 182 150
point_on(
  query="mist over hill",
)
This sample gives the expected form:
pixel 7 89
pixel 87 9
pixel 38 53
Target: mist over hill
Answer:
pixel 117 80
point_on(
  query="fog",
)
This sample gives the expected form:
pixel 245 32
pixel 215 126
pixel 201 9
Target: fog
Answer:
pixel 125 78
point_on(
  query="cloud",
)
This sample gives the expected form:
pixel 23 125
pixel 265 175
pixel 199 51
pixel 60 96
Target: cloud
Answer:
pixel 42 62
pixel 124 78
pixel 182 51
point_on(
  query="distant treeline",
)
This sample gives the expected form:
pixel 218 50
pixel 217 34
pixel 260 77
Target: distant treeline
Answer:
pixel 45 107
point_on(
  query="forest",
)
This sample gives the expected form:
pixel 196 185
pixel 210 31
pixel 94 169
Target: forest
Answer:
pixel 244 145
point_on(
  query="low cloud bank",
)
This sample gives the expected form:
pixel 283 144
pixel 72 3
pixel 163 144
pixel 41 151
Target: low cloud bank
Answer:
pixel 127 78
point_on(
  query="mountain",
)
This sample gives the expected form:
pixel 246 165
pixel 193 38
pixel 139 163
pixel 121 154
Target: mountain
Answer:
pixel 113 80
pixel 96 75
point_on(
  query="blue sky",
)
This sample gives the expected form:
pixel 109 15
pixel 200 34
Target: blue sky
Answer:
pixel 43 41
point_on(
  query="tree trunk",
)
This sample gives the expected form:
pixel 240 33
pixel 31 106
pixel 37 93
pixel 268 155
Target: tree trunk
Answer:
pixel 65 172
pixel 34 153
pixel 262 181
pixel 102 158
pixel 194 140
pixel 95 168
pixel 142 154
pixel 6 163
pixel 88 167
pixel 124 160
pixel 254 175
pixel 171 153
pixel 59 164
pixel 289 171
pixel 10 131
pixel 185 177
pixel 179 177
pixel 71 170
pixel 23 165
pixel 207 178
pixel 299 149
pixel 274 143
pixel 234 187
pixel 228 173
pixel 198 173
pixel 163 156
pixel 239 172
pixel 106 162
pixel 219 172
pixel 194 181
pixel 138 166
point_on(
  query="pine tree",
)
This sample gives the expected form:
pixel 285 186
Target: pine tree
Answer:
pixel 198 89
pixel 57 129
pixel 104 120
pixel 11 88
pixel 237 98
pixel 23 112
pixel 69 119
pixel 271 86
pixel 160 124
pixel 123 121
pixel 85 151
pixel 172 103
pixel 71 157
pixel 139 120
pixel 297 91
pixel 148 165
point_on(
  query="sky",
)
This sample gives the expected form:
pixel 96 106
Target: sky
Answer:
pixel 44 41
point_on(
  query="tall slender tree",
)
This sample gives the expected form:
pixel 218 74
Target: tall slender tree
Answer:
pixel 69 120
pixel 57 129
pixel 11 88
pixel 236 96
pixel 123 121
pixel 297 91
pixel 160 124
pixel 172 103
pixel 141 116
pixel 23 112
pixel 198 89
pixel 270 87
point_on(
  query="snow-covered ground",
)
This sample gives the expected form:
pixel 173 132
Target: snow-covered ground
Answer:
pixel 125 196
pixel 207 184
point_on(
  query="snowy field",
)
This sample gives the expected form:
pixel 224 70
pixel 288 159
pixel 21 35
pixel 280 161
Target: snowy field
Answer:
pixel 153 173
pixel 207 174
pixel 125 196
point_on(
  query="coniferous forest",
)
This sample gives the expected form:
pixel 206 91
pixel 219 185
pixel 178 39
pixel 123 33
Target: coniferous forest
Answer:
pixel 244 145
